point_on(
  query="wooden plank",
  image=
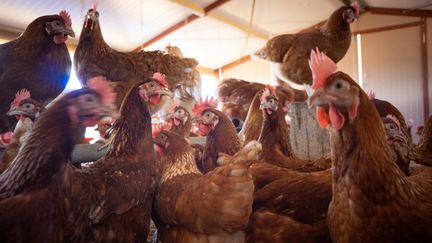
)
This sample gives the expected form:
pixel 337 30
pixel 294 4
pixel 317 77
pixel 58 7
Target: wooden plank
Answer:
pixel 400 12
pixel 168 31
pixel 222 18
pixel 240 26
pixel 180 24
pixel 424 61
pixel 387 28
pixel 233 64
pixel 308 140
pixel 197 9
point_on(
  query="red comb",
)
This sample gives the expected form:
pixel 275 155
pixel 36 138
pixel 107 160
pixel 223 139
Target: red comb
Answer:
pixel 161 79
pixel 321 66
pixel 20 96
pixel 268 90
pixel 371 95
pixel 101 85
pixel 157 128
pixel 356 6
pixel 202 105
pixel 94 5
pixel 66 17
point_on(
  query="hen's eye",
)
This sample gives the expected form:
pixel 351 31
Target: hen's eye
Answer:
pixel 338 85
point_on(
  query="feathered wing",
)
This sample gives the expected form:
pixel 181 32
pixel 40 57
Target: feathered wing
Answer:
pixel 5 51
pixel 266 226
pixel 276 48
pixel 222 199
pixel 423 152
pixel 237 91
pixel 128 190
pixel 177 70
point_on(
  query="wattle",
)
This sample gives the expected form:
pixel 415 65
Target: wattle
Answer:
pixel 203 129
pixel 336 118
pixel 60 38
pixel 155 99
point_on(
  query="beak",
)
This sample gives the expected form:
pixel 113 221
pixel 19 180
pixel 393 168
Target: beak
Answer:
pixel 13 112
pixel 170 116
pixel 196 120
pixel 65 29
pixel 166 92
pixel 69 31
pixel 266 105
pixel 318 98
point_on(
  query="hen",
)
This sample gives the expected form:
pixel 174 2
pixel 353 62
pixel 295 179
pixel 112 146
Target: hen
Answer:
pixel 423 152
pixel 221 135
pixel 111 201
pixel 181 120
pixel 38 60
pixel 33 207
pixel 373 201
pixel 291 52
pixel 275 137
pixel 192 207
pixel 26 110
pixel 236 96
pixel 93 57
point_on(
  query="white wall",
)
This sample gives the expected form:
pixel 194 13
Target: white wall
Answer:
pixel 253 70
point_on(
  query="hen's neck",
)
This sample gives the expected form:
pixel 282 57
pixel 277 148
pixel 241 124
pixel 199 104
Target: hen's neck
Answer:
pixel 336 27
pixel 36 44
pixel 224 133
pixel 361 158
pixel 253 123
pixel 274 134
pixel 132 131
pixel 45 152
pixel 183 129
pixel 92 37
pixel 179 162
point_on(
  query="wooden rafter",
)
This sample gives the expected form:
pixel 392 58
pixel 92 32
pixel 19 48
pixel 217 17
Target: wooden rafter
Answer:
pixel 180 24
pixel 240 26
pixel 400 12
pixel 248 57
pixel 387 28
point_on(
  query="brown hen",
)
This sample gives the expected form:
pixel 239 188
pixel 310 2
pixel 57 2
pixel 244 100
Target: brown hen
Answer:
pixel 291 52
pixel 373 201
pixel 93 57
pixel 38 60
pixel 221 135
pixel 192 207
pixel 33 204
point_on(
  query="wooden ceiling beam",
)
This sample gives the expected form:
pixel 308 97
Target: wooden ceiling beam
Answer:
pixel 400 12
pixel 182 23
pixel 240 26
pixel 248 57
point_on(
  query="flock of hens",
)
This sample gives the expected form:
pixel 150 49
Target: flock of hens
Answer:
pixel 247 186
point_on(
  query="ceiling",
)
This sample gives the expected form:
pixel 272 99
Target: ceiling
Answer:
pixel 129 23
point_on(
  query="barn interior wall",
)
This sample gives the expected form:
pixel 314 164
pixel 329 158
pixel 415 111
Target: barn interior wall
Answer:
pixel 391 63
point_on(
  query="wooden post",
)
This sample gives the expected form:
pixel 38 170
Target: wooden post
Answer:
pixel 308 140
